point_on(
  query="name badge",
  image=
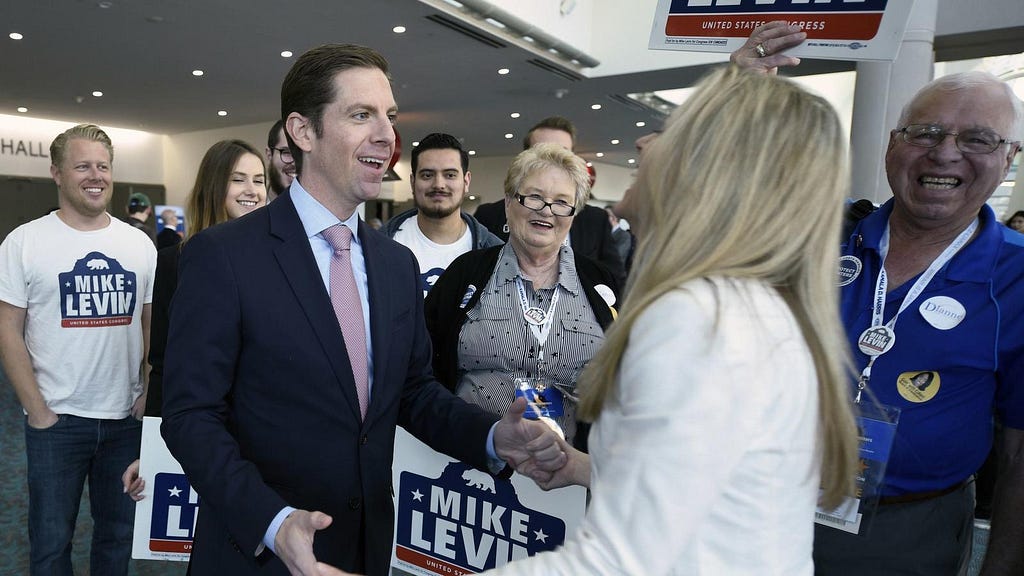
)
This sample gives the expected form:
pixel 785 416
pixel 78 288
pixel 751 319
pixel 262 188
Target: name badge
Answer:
pixel 543 398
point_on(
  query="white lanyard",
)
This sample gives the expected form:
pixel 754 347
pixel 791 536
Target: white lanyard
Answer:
pixel 538 320
pixel 879 339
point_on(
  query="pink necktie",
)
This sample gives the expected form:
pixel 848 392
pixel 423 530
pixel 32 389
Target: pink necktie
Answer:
pixel 348 308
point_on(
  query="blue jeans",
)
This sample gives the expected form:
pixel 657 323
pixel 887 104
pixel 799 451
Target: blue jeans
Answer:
pixel 59 460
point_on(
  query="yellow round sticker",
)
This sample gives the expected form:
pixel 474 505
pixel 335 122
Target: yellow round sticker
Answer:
pixel 919 385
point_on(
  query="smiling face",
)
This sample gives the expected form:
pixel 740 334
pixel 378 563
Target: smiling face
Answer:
pixel 345 164
pixel 1017 223
pixel 941 187
pixel 541 233
pixel 84 180
pixel 439 185
pixel 247 189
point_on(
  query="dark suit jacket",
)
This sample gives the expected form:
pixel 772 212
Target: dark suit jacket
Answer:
pixel 167 237
pixel 259 403
pixel 590 235
pixel 163 290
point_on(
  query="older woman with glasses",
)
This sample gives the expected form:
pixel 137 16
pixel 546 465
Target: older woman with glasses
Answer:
pixel 523 319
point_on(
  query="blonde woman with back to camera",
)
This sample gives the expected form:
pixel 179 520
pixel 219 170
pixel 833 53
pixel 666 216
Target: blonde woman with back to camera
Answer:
pixel 719 396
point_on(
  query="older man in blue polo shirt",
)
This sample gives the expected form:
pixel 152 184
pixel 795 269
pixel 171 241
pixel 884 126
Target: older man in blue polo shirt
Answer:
pixel 933 302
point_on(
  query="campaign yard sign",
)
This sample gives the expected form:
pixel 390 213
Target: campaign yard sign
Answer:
pixel 836 29
pixel 453 519
pixel 165 520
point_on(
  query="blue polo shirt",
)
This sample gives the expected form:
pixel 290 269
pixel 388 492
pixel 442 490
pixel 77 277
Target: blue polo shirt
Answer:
pixel 958 356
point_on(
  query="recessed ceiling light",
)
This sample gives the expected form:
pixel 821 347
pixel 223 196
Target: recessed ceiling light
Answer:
pixel 615 140
pixel 495 23
pixel 502 71
pixel 15 36
pixel 514 115
pixel 509 136
pixel 22 109
pixel 416 143
pixel 631 160
pixel 453 3
pixel 472 152
pixel 222 112
pixel 398 29
pixel 197 72
pixel 641 124
pixel 97 93
pixel 529 39
pixel 471 197
pixel 286 54
pixel 591 164
pixel 599 154
pixel 105 4
pixel 595 106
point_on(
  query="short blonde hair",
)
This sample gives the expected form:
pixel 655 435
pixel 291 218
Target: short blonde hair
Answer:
pixel 748 181
pixel 549 156
pixel 91 132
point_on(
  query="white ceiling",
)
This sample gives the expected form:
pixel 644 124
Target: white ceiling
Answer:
pixel 141 53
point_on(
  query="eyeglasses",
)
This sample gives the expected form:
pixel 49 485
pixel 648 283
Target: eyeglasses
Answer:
pixel 973 141
pixel 286 155
pixel 536 203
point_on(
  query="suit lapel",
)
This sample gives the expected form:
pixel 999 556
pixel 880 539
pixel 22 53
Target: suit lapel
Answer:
pixel 380 312
pixel 295 257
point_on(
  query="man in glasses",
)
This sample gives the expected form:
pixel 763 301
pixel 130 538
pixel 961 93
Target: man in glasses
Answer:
pixel 279 160
pixel 934 272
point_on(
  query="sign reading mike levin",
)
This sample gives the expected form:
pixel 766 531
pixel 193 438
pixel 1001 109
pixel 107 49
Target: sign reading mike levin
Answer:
pixel 836 29
pixel 165 520
pixel 452 519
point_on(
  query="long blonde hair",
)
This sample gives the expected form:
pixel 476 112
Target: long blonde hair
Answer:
pixel 747 181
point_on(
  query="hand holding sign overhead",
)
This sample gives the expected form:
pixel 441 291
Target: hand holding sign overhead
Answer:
pixel 763 50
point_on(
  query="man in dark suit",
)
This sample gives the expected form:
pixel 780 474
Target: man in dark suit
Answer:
pixel 591 234
pixel 168 236
pixel 264 402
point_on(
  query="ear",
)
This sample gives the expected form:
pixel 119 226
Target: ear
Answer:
pixel 1013 149
pixel 300 130
pixel 55 174
pixel 469 177
pixel 894 136
pixel 269 154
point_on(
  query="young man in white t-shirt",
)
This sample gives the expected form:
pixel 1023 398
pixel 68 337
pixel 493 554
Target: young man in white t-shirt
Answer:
pixel 437 230
pixel 75 293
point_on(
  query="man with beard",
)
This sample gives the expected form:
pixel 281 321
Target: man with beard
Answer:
pixel 440 231
pixel 280 162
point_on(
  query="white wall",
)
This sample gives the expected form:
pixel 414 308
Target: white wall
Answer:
pixel 182 154
pixel 25 150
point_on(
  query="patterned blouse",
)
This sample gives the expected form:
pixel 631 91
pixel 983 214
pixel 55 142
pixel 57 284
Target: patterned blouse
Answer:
pixel 496 345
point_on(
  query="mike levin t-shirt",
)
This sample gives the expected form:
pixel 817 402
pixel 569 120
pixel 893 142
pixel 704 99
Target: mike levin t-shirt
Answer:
pixel 434 258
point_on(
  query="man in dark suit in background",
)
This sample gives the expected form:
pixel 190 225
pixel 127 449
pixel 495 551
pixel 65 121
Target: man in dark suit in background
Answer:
pixel 169 235
pixel 591 234
pixel 289 440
